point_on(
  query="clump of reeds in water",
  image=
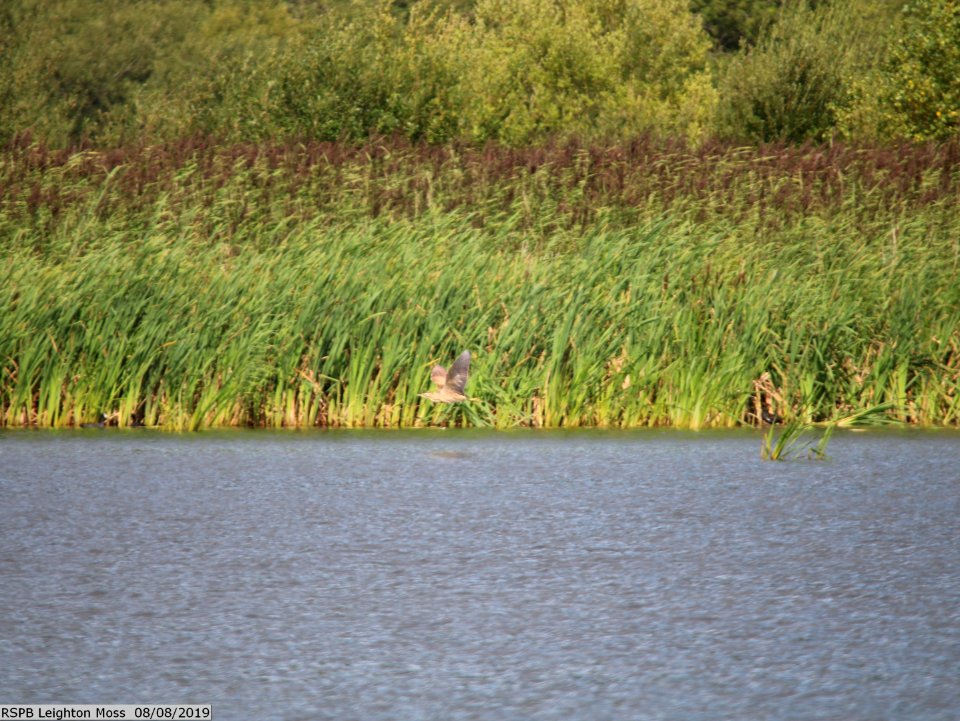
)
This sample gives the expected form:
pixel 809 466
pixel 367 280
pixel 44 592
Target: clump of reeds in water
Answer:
pixel 785 442
pixel 199 286
pixel 779 446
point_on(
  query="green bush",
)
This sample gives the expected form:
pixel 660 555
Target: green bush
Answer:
pixel 533 68
pixel 213 81
pixel 923 71
pixel 110 71
pixel 348 78
pixel 513 71
pixel 794 82
pixel 69 72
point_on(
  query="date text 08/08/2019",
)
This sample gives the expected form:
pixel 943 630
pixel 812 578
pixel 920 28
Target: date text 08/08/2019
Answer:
pixel 60 712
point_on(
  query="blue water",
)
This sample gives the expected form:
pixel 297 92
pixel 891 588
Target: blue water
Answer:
pixel 459 575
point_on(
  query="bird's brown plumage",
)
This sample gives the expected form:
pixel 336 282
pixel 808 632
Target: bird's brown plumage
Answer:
pixel 450 383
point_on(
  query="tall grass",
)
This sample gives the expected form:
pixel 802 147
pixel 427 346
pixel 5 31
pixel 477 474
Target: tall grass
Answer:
pixel 195 286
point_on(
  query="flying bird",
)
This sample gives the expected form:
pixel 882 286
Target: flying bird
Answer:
pixel 450 383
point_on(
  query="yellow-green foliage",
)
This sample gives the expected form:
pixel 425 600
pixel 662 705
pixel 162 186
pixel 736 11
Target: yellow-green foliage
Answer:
pixel 799 78
pixel 515 71
pixel 71 71
pixel 113 70
pixel 509 70
pixel 108 72
pixel 532 68
pixel 922 73
pixel 203 84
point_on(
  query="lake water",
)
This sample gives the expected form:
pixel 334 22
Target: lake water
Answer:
pixel 458 575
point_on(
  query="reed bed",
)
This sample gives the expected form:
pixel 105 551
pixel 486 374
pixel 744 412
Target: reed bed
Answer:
pixel 194 285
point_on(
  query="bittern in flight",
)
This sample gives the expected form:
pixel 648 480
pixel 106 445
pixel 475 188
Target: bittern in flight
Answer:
pixel 450 382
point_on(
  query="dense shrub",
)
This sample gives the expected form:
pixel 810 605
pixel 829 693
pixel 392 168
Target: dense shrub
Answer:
pixel 602 67
pixel 793 83
pixel 513 70
pixel 923 71
pixel 509 70
pixel 70 71
pixel 108 72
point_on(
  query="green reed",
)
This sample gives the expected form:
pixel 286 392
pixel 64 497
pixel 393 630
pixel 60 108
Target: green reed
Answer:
pixel 226 291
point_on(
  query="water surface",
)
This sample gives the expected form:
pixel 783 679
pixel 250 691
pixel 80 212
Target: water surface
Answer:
pixel 458 575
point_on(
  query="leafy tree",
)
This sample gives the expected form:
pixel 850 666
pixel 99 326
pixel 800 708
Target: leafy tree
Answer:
pixel 109 70
pixel 923 71
pixel 215 78
pixel 351 74
pixel 512 70
pixel 531 68
pixel 74 66
pixel 796 81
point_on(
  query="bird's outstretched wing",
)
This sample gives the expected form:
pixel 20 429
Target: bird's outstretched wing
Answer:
pixel 439 375
pixel 457 375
